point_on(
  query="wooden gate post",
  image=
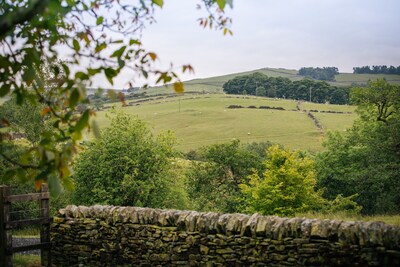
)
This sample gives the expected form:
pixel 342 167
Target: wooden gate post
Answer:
pixel 5 234
pixel 45 228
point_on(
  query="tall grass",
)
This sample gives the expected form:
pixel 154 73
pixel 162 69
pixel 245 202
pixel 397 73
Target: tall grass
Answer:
pixel 26 260
pixel 29 231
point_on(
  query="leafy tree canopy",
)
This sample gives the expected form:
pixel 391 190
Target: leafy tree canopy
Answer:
pixel 366 159
pixel 380 100
pixel 286 186
pixel 125 166
pixel 324 74
pixel 262 85
pixel 104 34
pixel 213 181
pixel 383 69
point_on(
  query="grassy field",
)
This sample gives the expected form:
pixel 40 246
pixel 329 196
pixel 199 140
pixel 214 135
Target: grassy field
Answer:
pixel 205 119
pixel 332 121
pixel 327 107
pixel 26 260
pixel 347 79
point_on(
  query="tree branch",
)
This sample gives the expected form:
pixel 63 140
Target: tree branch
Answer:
pixel 10 19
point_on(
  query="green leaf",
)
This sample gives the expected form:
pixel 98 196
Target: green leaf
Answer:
pixel 121 63
pixel 76 45
pixel 5 89
pixel 83 121
pixel 100 47
pixel 96 129
pixel 20 97
pixel 110 74
pixel 221 4
pixel 64 170
pixel 66 69
pixel 93 72
pixel 134 41
pixel 56 124
pixel 99 20
pixel 230 3
pixel 68 184
pixel 28 76
pixel 81 75
pixel 74 97
pixel 77 136
pixel 119 52
pixel 159 3
pixel 54 186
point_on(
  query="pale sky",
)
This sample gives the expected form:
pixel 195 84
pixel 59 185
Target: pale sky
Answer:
pixel 277 33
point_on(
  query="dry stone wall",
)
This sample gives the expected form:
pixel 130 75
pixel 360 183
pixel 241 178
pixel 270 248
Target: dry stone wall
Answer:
pixel 130 236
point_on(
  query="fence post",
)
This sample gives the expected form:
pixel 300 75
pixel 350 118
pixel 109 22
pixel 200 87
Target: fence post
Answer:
pixel 5 234
pixel 45 228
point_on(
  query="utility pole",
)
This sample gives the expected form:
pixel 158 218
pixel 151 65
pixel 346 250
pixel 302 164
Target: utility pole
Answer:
pixel 310 94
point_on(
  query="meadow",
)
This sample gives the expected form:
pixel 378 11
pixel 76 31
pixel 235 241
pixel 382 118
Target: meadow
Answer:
pixel 206 119
pixel 348 79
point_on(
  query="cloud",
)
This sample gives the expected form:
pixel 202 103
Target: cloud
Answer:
pixel 284 33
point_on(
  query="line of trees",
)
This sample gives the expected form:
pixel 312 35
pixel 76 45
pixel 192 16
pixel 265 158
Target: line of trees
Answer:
pixel 258 177
pixel 324 74
pixel 383 69
pixel 261 85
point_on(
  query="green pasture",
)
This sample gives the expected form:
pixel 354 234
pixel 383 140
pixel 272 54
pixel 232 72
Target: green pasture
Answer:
pixel 331 121
pixel 205 119
pixel 327 107
pixel 348 79
pixel 189 88
pixel 23 260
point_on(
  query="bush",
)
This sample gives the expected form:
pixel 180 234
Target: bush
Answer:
pixel 126 166
pixel 285 188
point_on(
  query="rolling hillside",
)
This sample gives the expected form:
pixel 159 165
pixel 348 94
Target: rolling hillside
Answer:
pixel 214 84
pixel 206 119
